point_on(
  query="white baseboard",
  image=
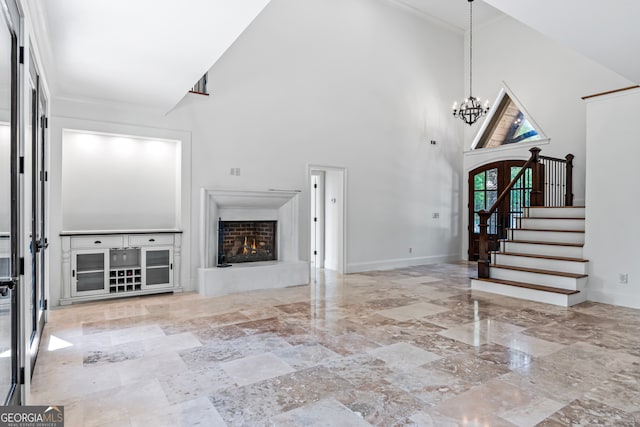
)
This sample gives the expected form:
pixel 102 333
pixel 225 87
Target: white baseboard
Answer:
pixel 623 300
pixel 358 267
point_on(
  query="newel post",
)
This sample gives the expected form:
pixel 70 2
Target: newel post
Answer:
pixel 537 195
pixel 483 245
pixel 568 197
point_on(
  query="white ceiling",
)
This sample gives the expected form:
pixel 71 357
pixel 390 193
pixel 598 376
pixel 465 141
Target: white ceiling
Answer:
pixel 454 13
pixel 605 31
pixel 149 53
pixel 146 53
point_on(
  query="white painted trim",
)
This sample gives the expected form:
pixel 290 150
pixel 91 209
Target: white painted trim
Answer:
pixel 506 148
pixel 391 264
pixel 311 167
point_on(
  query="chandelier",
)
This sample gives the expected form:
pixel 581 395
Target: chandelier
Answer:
pixel 470 109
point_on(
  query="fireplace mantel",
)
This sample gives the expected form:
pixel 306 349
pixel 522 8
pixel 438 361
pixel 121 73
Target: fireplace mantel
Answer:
pixel 240 205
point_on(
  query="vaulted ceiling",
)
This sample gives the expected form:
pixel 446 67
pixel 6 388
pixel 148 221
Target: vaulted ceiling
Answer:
pixel 605 31
pixel 148 53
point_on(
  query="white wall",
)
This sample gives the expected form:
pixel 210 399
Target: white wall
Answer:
pixel 334 204
pixel 354 83
pixel 549 81
pixel 118 182
pixel 612 227
pixel 360 84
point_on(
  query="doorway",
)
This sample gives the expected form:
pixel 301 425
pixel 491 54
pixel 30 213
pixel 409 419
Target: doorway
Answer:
pixel 327 209
pixel 486 183
pixel 317 219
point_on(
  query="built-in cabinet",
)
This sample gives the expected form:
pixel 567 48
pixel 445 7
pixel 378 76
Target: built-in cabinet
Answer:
pixel 99 266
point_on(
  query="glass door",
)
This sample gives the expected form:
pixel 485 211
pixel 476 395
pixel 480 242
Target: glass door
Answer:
pixel 9 209
pixel 38 243
pixel 486 183
pixel 158 267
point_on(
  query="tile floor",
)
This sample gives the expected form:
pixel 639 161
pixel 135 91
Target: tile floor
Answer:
pixel 404 347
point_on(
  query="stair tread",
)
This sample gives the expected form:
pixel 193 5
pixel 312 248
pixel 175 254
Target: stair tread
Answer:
pixel 557 207
pixel 530 286
pixel 555 217
pixel 542 229
pixel 559 258
pixel 535 242
pixel 536 270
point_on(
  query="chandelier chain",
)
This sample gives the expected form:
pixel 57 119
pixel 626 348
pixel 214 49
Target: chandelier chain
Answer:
pixel 471 109
pixel 470 47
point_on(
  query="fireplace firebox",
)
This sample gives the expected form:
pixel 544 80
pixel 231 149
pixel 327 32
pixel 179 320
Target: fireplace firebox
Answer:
pixel 246 241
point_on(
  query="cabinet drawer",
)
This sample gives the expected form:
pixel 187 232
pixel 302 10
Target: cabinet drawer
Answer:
pixel 96 242
pixel 151 239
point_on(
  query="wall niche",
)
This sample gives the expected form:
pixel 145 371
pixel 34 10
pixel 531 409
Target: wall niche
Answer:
pixel 119 182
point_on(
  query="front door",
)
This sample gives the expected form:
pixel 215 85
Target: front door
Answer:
pixel 486 183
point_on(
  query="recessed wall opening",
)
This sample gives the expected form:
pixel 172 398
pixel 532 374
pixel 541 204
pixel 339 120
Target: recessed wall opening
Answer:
pixel 119 182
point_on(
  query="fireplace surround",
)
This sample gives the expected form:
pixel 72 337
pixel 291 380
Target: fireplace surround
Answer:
pixel 288 268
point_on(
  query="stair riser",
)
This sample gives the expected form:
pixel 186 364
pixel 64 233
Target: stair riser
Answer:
pixel 549 250
pixel 552 224
pixel 529 294
pixel 555 212
pixel 546 236
pixel 537 279
pixel 541 263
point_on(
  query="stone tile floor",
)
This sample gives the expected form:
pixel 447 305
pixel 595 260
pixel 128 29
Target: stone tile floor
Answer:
pixel 411 346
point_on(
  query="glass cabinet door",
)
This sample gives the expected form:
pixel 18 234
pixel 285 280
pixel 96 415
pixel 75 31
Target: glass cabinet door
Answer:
pixel 158 267
pixel 89 271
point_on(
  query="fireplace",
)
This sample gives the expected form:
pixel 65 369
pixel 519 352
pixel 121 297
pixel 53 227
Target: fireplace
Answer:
pixel 246 241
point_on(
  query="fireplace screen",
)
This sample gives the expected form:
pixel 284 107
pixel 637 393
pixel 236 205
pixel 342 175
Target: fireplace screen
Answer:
pixel 246 241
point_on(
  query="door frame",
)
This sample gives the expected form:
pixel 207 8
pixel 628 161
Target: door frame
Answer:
pixel 11 17
pixel 38 218
pixel 339 174
pixel 504 178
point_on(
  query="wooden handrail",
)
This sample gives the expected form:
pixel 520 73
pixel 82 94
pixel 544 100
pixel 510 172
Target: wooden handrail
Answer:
pixel 535 151
pixel 483 244
pixel 536 198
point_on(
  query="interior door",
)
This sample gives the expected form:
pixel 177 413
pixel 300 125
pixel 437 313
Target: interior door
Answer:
pixel 38 243
pixel 9 210
pixel 317 219
pixel 486 183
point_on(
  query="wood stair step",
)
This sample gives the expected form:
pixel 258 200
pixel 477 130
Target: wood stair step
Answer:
pixel 557 207
pixel 534 242
pixel 530 286
pixel 558 258
pixel 538 271
pixel 553 217
pixel 540 229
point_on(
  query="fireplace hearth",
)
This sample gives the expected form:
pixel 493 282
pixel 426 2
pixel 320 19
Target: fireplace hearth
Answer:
pixel 246 241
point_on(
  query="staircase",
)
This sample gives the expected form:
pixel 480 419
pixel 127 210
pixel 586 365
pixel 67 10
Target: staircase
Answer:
pixel 541 260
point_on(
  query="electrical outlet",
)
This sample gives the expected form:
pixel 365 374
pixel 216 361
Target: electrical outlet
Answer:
pixel 623 278
pixel 435 215
pixel 410 250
